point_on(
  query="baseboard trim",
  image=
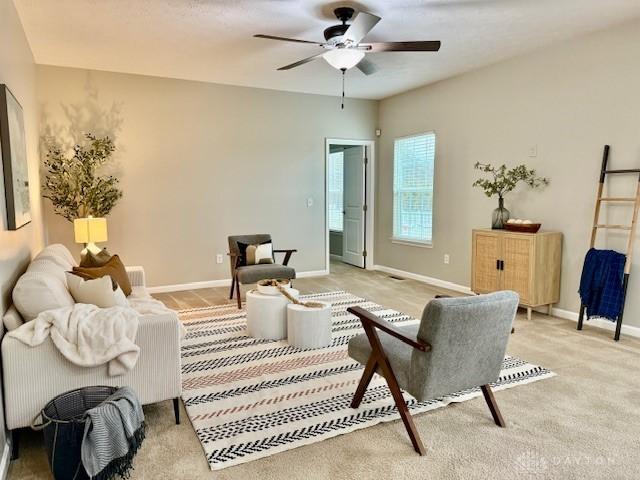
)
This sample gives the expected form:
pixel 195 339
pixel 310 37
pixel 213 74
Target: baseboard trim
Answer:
pixel 556 312
pixel 436 282
pixel 224 282
pixel 312 273
pixel 179 287
pixel 629 330
pixel 6 459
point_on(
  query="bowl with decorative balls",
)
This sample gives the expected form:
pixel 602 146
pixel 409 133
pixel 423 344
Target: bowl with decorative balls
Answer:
pixel 522 226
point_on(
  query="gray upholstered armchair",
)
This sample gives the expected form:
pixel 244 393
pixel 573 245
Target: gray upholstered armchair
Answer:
pixel 254 273
pixel 459 344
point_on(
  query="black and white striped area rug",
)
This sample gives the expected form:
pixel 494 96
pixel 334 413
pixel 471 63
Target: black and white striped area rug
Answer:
pixel 249 398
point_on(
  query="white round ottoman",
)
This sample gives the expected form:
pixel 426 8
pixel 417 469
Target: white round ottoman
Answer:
pixel 309 327
pixel 267 315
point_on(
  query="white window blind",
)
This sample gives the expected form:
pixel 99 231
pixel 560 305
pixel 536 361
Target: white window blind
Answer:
pixel 413 159
pixel 336 187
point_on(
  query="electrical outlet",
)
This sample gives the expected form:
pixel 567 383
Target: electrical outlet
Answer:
pixel 446 259
pixel 533 151
pixel 219 258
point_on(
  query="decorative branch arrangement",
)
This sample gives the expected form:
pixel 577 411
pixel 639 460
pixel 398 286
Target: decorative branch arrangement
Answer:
pixel 273 282
pixel 74 185
pixel 505 180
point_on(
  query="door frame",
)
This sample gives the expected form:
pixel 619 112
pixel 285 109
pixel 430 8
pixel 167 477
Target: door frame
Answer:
pixel 369 189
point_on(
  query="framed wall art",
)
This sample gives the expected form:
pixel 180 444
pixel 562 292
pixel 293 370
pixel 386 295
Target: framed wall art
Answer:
pixel 14 160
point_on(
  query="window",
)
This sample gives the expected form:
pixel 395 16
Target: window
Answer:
pixel 413 159
pixel 336 187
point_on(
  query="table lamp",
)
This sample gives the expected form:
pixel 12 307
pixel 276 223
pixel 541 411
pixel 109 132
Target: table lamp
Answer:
pixel 89 231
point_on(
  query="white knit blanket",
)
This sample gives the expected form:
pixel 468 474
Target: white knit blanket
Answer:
pixel 87 335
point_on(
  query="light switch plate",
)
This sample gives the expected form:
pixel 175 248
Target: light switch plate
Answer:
pixel 309 202
pixel 446 258
pixel 533 151
pixel 219 258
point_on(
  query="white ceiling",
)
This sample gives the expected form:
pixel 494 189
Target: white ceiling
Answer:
pixel 211 40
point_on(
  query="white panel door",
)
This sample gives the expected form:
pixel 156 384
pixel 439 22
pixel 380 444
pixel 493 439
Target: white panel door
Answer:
pixel 354 193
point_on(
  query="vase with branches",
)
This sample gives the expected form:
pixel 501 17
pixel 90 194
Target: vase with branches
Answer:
pixel 75 184
pixel 503 180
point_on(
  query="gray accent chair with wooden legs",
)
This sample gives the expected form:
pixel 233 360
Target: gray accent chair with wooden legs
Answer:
pixel 246 274
pixel 459 344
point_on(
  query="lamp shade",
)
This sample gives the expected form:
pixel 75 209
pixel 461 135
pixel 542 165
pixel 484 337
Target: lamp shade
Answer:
pixel 343 58
pixel 90 230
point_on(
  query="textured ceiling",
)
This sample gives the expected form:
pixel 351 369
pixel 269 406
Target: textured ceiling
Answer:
pixel 211 40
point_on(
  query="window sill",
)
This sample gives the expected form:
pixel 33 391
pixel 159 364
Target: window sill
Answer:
pixel 411 243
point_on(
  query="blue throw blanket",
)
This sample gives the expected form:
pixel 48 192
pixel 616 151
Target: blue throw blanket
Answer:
pixel 601 285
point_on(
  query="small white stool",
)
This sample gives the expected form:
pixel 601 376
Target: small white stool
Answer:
pixel 309 327
pixel 267 315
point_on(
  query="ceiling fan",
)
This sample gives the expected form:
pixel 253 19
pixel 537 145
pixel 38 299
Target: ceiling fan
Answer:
pixel 342 48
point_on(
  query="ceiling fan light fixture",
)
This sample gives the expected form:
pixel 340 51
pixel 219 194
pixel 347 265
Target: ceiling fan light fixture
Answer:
pixel 343 58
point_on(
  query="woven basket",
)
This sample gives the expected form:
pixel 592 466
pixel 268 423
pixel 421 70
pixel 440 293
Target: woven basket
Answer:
pixel 63 428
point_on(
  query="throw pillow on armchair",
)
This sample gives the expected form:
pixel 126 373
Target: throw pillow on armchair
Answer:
pixel 255 254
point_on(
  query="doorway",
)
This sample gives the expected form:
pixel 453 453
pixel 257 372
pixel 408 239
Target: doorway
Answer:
pixel 349 202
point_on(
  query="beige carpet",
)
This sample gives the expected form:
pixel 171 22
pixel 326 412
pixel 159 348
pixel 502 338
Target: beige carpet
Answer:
pixel 584 423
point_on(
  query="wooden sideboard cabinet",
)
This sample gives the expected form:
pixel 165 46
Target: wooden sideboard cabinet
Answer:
pixel 527 263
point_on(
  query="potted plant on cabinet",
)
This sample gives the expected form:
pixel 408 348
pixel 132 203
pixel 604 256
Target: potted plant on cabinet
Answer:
pixel 503 181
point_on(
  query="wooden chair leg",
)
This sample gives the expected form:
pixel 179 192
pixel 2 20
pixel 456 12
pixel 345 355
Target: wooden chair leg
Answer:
pixel 367 375
pixel 233 286
pixel 493 406
pixel 383 362
pixel 402 407
pixel 238 293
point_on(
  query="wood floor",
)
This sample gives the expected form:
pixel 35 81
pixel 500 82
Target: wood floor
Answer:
pixel 387 290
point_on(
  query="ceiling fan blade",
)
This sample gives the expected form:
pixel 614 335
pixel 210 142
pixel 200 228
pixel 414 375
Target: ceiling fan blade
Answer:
pixel 367 67
pixel 361 25
pixel 285 39
pixel 426 46
pixel 301 62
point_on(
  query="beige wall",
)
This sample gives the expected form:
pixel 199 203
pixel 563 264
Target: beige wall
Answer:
pixel 17 71
pixel 569 100
pixel 201 161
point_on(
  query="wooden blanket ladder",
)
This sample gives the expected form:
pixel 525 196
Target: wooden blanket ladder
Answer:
pixel 630 201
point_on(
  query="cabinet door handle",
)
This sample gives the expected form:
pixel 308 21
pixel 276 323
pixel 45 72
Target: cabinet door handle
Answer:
pixel 497 264
pixel 501 264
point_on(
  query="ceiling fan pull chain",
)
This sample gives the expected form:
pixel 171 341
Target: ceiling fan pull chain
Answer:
pixel 342 105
